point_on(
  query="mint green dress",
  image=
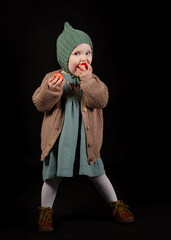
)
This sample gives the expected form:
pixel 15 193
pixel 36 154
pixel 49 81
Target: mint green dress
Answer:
pixel 68 156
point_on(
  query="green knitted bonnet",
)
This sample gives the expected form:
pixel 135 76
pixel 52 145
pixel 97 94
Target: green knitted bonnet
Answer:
pixel 69 39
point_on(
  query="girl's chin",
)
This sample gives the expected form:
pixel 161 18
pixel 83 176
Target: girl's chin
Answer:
pixel 74 71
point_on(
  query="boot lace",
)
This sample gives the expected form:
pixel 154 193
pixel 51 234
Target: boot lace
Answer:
pixel 120 207
pixel 45 215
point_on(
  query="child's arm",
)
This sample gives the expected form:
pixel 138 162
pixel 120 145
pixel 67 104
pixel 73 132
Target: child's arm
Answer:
pixel 96 92
pixel 44 98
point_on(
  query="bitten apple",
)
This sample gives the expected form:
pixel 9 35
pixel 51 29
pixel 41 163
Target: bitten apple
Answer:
pixel 83 64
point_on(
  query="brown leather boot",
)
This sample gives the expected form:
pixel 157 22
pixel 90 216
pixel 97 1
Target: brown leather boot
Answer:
pixel 45 220
pixel 121 213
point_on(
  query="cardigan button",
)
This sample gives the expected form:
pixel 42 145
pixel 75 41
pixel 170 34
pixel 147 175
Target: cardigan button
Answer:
pixel 90 160
pixel 84 109
pixel 88 128
pixel 89 145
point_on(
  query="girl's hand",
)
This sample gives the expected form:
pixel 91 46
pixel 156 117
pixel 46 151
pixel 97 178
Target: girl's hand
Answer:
pixel 86 73
pixel 55 83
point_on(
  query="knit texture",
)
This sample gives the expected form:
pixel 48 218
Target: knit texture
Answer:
pixel 94 99
pixel 69 39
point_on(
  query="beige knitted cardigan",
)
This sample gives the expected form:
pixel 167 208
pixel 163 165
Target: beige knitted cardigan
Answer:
pixel 94 99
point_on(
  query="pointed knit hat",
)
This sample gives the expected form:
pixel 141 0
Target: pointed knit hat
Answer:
pixel 69 39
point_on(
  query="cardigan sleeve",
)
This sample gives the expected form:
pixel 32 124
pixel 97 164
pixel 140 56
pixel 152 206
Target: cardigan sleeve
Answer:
pixel 43 98
pixel 95 92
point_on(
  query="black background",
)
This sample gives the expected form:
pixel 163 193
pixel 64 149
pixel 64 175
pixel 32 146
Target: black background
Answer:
pixel 129 56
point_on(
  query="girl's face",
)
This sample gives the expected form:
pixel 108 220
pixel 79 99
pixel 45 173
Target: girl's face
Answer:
pixel 81 54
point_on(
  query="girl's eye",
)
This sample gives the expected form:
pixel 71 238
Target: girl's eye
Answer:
pixel 88 53
pixel 77 53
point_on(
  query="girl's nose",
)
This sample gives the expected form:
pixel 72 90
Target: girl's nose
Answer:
pixel 84 58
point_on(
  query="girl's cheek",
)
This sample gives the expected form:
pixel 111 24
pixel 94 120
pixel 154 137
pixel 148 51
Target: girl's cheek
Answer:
pixel 73 68
pixel 75 65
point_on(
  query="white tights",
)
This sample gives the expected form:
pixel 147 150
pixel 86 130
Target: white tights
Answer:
pixel 102 184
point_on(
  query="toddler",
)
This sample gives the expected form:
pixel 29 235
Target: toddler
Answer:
pixel 72 100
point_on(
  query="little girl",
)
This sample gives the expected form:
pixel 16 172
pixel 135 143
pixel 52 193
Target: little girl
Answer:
pixel 72 128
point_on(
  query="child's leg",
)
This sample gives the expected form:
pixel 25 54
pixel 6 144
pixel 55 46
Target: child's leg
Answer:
pixel 104 187
pixel 120 212
pixel 49 191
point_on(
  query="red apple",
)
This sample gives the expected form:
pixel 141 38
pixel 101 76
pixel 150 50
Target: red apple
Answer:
pixel 58 74
pixel 83 64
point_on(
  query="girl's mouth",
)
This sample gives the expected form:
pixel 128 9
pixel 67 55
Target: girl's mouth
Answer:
pixel 82 64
